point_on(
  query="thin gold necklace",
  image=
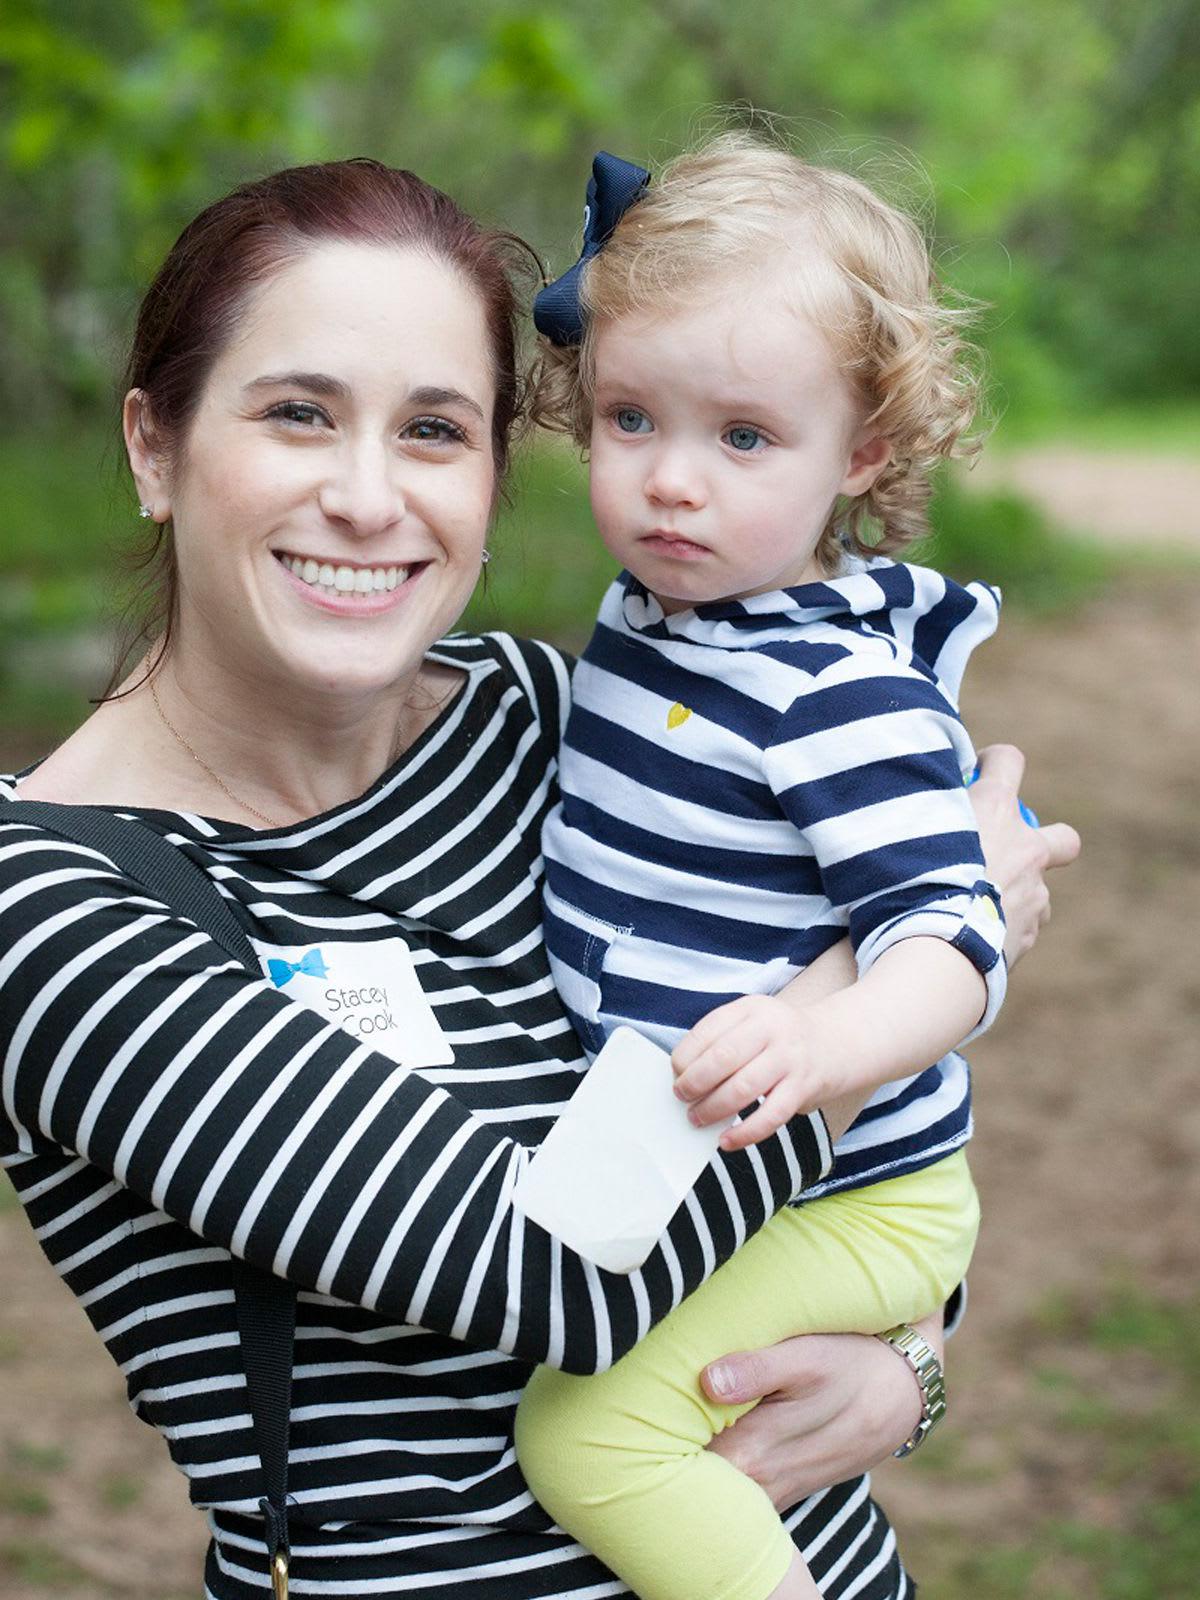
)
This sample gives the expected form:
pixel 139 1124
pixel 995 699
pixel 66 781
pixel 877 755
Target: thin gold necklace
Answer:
pixel 204 766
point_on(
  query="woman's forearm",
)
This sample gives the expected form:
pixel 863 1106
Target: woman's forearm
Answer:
pixel 130 1038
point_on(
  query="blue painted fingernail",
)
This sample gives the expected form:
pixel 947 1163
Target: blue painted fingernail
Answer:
pixel 1028 815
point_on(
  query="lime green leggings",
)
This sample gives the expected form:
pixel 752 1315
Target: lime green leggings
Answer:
pixel 619 1459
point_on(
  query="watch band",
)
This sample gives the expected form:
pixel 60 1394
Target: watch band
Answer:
pixel 931 1381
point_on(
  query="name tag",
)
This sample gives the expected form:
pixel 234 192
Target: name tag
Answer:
pixel 370 991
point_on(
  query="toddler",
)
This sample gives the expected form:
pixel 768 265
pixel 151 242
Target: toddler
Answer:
pixel 763 755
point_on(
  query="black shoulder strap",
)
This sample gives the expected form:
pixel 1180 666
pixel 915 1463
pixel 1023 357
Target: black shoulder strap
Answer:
pixel 266 1305
pixel 147 857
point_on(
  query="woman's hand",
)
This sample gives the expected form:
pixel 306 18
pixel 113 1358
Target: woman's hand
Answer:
pixel 1018 856
pixel 833 1405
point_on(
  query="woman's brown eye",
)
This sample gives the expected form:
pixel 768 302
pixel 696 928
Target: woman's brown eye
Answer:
pixel 433 430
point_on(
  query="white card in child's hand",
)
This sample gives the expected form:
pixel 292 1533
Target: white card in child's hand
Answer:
pixel 616 1165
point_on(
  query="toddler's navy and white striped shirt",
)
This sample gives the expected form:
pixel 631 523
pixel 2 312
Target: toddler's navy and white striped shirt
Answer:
pixel 746 782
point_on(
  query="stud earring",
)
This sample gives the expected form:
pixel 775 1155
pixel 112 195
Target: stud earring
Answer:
pixel 145 511
pixel 485 557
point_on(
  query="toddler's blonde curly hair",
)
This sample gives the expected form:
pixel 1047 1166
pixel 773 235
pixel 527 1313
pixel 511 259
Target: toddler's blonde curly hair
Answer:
pixel 863 275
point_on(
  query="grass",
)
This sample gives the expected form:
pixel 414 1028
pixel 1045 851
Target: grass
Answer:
pixel 120 1492
pixel 40 1565
pixel 1170 427
pixel 1139 1444
pixel 21 1498
pixel 43 1458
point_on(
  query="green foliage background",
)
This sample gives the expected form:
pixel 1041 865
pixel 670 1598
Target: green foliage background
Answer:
pixel 1052 148
pixel 1061 140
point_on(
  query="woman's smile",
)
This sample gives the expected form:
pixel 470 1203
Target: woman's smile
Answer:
pixel 350 588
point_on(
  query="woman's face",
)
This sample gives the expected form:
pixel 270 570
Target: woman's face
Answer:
pixel 333 495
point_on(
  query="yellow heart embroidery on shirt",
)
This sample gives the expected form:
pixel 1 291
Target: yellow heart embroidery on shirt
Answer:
pixel 678 714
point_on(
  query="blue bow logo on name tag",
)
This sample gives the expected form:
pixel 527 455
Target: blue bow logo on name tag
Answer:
pixel 311 965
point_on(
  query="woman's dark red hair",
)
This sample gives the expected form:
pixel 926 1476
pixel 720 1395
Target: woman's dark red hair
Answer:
pixel 192 309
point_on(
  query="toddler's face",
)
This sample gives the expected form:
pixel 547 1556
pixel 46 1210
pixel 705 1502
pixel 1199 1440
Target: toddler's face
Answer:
pixel 721 437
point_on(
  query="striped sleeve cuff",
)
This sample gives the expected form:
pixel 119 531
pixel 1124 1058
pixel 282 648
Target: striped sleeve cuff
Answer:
pixel 814 1146
pixel 970 921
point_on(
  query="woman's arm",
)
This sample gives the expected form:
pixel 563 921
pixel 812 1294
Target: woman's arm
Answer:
pixel 130 1039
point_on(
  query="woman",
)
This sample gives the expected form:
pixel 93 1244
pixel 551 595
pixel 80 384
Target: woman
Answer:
pixel 321 393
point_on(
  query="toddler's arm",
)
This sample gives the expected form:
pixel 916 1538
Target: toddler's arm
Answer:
pixel 867 765
pixel 918 1000
pixel 1017 859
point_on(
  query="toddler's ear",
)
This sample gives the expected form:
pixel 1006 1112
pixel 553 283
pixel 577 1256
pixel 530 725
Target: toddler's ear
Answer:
pixel 867 461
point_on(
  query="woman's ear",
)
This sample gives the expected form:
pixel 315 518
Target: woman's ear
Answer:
pixel 145 462
pixel 867 461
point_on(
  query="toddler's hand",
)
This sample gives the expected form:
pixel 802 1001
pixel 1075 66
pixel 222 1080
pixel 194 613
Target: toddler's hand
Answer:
pixel 756 1047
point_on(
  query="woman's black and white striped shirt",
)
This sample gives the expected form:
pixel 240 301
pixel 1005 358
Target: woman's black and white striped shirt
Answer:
pixel 161 1107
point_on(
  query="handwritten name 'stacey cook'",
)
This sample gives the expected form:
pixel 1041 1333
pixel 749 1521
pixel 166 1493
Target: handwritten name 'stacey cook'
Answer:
pixel 351 1010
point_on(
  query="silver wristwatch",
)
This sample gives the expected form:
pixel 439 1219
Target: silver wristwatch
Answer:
pixel 931 1381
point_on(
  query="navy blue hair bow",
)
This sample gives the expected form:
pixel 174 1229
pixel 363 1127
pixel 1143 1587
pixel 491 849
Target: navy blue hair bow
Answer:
pixel 613 187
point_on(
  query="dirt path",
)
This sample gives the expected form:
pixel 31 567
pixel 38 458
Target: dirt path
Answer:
pixel 1089 1134
pixel 1117 496
pixel 1088 1148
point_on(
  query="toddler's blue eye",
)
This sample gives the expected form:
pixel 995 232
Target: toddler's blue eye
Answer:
pixel 630 420
pixel 745 438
